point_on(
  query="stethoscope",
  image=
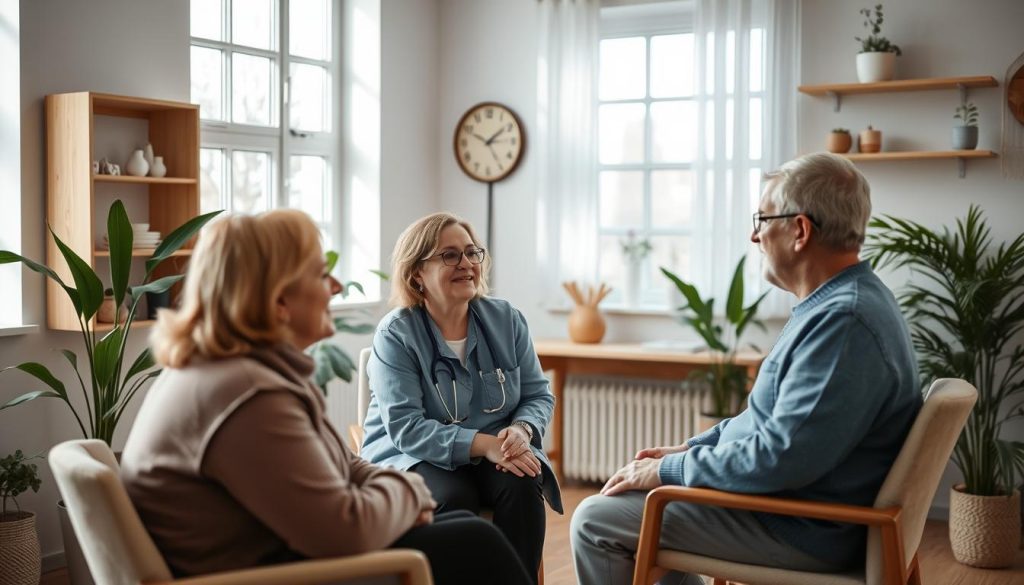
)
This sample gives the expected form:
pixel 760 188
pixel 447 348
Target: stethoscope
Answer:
pixel 448 368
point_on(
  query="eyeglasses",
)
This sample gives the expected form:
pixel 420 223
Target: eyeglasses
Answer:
pixel 454 257
pixel 760 218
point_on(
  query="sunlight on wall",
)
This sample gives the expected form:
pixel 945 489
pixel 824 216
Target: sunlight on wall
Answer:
pixel 10 162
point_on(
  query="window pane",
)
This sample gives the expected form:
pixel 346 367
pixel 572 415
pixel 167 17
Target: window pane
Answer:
pixel 309 24
pixel 709 130
pixel 207 72
pixel 621 133
pixel 671 65
pixel 709 63
pixel 622 199
pixel 755 128
pixel 206 19
pixel 623 68
pixel 672 135
pixel 307 186
pixel 730 112
pixel 756 55
pixel 250 89
pixel 308 98
pixel 671 198
pixel 252 23
pixel 250 181
pixel 730 61
pixel 211 181
pixel 672 252
pixel 755 179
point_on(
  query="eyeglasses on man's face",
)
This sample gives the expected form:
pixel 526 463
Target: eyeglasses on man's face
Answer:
pixel 760 219
pixel 454 257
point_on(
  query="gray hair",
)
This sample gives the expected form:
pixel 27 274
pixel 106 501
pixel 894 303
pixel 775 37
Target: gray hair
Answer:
pixel 828 188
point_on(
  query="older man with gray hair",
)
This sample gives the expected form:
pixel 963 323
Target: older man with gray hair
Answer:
pixel 826 417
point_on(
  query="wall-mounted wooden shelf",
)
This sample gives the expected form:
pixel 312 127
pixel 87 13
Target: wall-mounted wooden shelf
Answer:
pixel 837 90
pixel 173 130
pixel 143 180
pixel 961 156
pixel 136 324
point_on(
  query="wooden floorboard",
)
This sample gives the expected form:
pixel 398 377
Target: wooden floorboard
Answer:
pixel 938 567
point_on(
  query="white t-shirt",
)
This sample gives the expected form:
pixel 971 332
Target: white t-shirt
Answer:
pixel 459 347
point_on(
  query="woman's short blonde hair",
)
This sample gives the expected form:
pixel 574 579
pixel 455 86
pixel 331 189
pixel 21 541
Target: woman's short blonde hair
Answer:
pixel 239 268
pixel 419 241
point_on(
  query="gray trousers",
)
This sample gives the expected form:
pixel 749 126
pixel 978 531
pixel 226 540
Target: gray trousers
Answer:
pixel 606 529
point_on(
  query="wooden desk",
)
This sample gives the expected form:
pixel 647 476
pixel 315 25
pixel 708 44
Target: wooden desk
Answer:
pixel 563 357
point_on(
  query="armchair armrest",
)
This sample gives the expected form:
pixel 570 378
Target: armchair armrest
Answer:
pixel 410 565
pixel 886 519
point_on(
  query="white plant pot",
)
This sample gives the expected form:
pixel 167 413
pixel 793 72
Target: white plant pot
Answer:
pixel 631 290
pixel 876 66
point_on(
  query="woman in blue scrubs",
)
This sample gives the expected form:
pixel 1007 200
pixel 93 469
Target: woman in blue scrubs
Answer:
pixel 458 395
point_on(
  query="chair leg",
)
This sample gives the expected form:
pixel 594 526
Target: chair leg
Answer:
pixel 914 578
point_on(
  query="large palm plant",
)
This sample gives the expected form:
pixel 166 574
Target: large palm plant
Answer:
pixel 966 314
pixel 106 390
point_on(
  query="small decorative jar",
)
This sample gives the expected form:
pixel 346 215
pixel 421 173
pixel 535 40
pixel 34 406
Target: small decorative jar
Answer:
pixel 870 140
pixel 158 169
pixel 137 165
pixel 839 141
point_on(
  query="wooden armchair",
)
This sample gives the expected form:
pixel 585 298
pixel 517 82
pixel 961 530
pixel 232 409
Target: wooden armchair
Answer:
pixel 895 522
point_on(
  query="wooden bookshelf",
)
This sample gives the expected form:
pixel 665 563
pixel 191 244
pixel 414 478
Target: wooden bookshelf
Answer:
pixel 919 155
pixel 829 89
pixel 172 129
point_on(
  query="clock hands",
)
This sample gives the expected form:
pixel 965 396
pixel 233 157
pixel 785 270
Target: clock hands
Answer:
pixel 481 138
pixel 493 136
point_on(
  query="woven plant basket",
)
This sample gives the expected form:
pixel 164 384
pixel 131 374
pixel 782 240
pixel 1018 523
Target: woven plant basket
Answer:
pixel 984 531
pixel 19 550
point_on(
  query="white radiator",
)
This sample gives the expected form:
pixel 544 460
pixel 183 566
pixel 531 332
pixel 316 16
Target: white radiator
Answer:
pixel 607 420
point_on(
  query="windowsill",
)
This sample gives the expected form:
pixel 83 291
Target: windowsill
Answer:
pixel 620 310
pixel 12 330
pixel 342 307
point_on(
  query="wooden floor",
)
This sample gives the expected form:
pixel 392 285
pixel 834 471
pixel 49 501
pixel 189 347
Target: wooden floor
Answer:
pixel 938 567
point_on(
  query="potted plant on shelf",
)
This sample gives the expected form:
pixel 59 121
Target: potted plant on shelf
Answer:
pixel 107 387
pixel 839 140
pixel 726 381
pixel 876 60
pixel 19 542
pixel 965 319
pixel 965 136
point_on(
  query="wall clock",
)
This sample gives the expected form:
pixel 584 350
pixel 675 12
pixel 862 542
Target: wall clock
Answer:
pixel 489 144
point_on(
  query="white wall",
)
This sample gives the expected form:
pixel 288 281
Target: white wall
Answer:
pixel 115 46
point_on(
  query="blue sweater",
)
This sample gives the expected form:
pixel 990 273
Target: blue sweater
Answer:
pixel 826 418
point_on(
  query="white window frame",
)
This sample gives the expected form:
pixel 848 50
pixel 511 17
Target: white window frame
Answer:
pixel 649 21
pixel 282 142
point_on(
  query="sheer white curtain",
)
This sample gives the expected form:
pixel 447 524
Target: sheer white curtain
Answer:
pixel 566 143
pixel 746 82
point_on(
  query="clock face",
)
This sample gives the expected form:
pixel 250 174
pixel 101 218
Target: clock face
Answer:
pixel 489 142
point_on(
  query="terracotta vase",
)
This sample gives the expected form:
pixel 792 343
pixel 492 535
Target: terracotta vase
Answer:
pixel 870 140
pixel 586 324
pixel 839 142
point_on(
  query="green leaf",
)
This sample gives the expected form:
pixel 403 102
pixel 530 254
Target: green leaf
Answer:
pixel 41 373
pixel 689 292
pixel 331 257
pixel 157 286
pixel 734 305
pixel 382 275
pixel 176 239
pixel 7 257
pixel 71 357
pixel 347 288
pixel 120 238
pixel 32 396
pixel 107 356
pixel 89 287
pixel 142 363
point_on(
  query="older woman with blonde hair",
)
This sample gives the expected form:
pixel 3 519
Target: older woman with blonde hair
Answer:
pixel 232 462
pixel 458 393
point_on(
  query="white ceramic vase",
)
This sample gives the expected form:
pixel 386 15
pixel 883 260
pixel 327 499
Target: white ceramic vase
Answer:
pixel 876 66
pixel 631 290
pixel 137 165
pixel 157 169
pixel 147 153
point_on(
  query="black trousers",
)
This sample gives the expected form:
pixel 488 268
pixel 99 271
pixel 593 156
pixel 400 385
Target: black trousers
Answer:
pixel 465 549
pixel 517 503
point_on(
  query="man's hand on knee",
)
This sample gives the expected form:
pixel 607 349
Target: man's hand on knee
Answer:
pixel 659 452
pixel 640 474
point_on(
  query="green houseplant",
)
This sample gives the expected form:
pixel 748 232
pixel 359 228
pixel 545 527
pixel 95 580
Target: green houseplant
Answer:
pixel 965 136
pixel 107 387
pixel 19 542
pixel 966 316
pixel 726 380
pixel 876 60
